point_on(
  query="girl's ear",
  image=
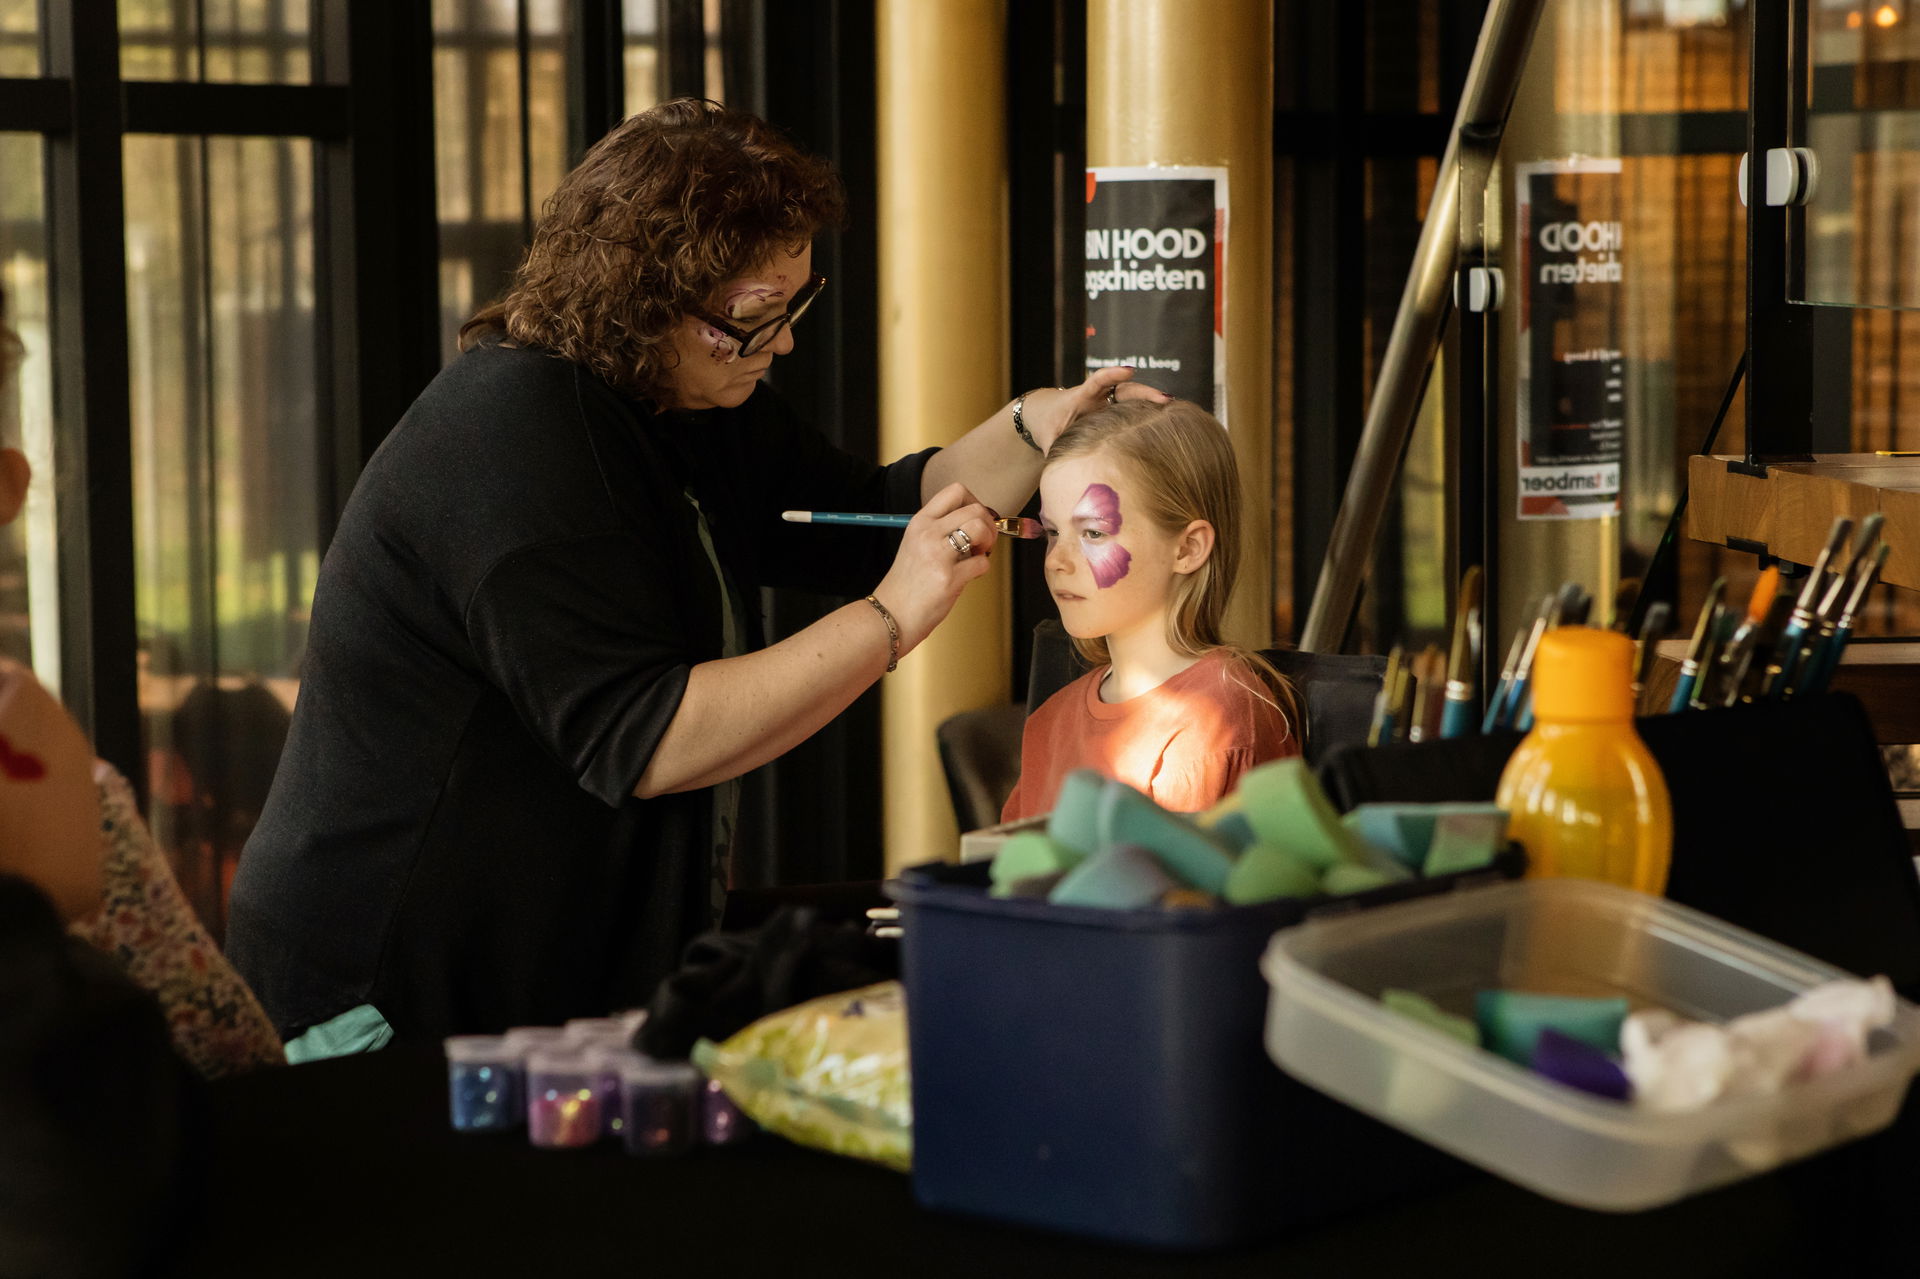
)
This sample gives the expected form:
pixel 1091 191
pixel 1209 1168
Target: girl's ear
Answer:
pixel 1195 547
pixel 14 475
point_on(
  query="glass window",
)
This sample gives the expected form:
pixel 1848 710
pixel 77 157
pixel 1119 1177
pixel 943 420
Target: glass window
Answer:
pixel 220 291
pixel 500 143
pixel 226 41
pixel 29 596
pixel 19 38
pixel 641 20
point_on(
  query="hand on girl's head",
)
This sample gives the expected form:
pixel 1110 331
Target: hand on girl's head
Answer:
pixel 49 807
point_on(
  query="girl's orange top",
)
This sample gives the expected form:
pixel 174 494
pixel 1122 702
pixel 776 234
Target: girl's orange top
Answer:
pixel 1184 743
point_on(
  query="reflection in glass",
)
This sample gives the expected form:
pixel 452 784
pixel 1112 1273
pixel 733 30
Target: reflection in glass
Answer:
pixel 499 153
pixel 29 580
pixel 220 293
pixel 19 38
pixel 1862 235
pixel 226 41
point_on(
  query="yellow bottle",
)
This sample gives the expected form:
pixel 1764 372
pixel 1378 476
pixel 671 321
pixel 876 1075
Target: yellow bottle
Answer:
pixel 1587 799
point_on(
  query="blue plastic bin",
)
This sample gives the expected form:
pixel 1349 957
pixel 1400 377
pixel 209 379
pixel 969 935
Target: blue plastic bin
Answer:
pixel 1103 1072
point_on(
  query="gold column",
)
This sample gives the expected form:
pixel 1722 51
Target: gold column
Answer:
pixel 943 355
pixel 1172 82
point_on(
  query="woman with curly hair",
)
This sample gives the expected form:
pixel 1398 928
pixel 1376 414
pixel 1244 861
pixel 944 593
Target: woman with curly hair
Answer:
pixel 533 679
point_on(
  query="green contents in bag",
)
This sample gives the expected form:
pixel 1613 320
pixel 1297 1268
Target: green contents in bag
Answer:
pixel 830 1073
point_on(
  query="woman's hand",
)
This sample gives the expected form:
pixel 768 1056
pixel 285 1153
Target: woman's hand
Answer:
pixel 930 570
pixel 1050 410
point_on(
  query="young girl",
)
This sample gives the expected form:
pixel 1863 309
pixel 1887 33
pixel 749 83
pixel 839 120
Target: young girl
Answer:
pixel 70 828
pixel 1141 506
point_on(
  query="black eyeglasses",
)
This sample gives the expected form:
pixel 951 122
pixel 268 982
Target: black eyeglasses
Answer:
pixel 754 340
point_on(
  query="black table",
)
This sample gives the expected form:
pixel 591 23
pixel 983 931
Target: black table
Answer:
pixel 348 1168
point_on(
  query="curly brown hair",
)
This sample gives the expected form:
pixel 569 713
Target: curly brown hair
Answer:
pixel 670 205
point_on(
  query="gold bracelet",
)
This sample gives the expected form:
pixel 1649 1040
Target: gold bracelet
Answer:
pixel 1020 423
pixel 893 634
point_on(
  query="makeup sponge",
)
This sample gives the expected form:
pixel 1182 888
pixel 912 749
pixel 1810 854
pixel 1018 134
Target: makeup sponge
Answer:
pixel 1074 823
pixel 1198 858
pixel 1404 830
pixel 1511 1021
pixel 1569 1061
pixel 1285 805
pixel 1228 820
pixel 1345 877
pixel 1465 838
pixel 1028 855
pixel 1268 872
pixel 1123 877
pixel 1410 1003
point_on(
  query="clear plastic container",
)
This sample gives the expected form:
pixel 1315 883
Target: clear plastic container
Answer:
pixel 597 1030
pixel 661 1104
pixel 1326 1026
pixel 564 1104
pixel 484 1084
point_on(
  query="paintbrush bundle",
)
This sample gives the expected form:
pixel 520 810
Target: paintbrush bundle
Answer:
pixel 1788 640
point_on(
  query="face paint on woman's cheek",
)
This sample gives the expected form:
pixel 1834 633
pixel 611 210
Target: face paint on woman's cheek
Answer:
pixel 721 349
pixel 742 303
pixel 1099 509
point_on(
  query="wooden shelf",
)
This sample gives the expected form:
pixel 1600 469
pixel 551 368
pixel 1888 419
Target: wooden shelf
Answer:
pixel 1788 512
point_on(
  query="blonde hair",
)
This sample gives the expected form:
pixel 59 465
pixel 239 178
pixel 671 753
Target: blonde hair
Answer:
pixel 1183 469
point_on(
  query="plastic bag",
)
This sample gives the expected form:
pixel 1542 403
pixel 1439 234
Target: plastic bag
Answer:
pixel 830 1073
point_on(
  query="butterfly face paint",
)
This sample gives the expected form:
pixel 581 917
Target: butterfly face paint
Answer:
pixel 721 349
pixel 707 369
pixel 1096 518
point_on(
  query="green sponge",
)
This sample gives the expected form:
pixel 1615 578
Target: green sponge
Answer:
pixel 1466 839
pixel 1268 872
pixel 1228 820
pixel 1347 878
pixel 1074 823
pixel 1409 1003
pixel 1405 830
pixel 1029 855
pixel 1511 1020
pixel 1123 877
pixel 1285 805
pixel 1198 858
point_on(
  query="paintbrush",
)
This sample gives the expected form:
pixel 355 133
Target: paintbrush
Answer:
pixel 1821 665
pixel 1503 687
pixel 1009 525
pixel 1788 651
pixel 1719 682
pixel 1456 716
pixel 1747 680
pixel 1724 623
pixel 1381 729
pixel 1702 631
pixel 1430 673
pixel 1653 628
pixel 1520 705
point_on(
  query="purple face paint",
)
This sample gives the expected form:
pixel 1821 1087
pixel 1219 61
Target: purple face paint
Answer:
pixel 722 350
pixel 1099 512
pixel 751 301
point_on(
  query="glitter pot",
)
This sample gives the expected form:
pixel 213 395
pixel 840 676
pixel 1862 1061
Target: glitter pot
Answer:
pixel 604 1061
pixel 563 1108
pixel 597 1030
pixel 483 1084
pixel 661 1101
pixel 721 1122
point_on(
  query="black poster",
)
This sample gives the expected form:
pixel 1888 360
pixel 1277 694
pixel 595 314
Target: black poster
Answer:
pixel 1156 278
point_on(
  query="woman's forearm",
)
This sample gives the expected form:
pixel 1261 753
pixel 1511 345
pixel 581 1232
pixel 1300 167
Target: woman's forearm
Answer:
pixel 991 460
pixel 740 712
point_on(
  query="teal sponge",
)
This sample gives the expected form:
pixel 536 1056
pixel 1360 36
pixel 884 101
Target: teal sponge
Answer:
pixel 1074 823
pixel 1123 877
pixel 1285 805
pixel 1198 858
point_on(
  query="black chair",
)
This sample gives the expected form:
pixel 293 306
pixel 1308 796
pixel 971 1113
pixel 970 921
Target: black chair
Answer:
pixel 980 755
pixel 1336 690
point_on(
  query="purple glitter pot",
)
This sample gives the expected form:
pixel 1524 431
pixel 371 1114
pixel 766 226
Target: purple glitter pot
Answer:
pixel 721 1122
pixel 604 1061
pixel 661 1105
pixel 483 1084
pixel 563 1109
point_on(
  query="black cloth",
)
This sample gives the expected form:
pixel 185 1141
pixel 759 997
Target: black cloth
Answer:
pixel 98 1118
pixel 502 631
pixel 728 981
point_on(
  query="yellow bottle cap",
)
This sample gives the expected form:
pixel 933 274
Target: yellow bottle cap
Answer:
pixel 1582 674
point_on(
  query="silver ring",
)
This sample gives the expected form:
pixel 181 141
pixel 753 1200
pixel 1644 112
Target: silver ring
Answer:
pixel 962 544
pixel 1113 395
